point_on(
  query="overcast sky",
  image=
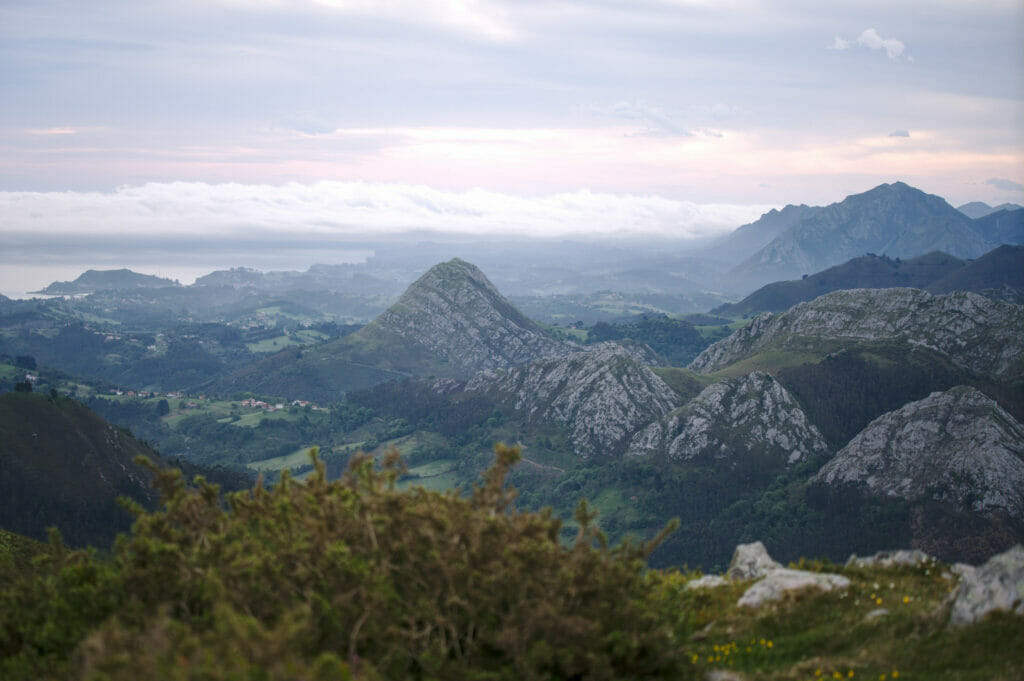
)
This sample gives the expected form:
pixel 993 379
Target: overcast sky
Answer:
pixel 524 116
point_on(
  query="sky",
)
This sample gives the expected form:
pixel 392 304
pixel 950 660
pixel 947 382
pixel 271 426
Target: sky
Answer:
pixel 334 118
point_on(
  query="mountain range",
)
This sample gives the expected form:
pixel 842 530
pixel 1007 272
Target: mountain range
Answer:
pixel 740 441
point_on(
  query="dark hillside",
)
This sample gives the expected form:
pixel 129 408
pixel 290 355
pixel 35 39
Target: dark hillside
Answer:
pixel 62 465
pixel 867 271
pixel 1003 266
pixel 848 389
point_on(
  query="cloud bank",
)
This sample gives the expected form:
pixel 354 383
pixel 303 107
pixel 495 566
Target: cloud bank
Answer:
pixel 356 210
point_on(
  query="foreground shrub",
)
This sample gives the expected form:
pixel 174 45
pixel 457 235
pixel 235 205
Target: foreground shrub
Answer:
pixel 342 579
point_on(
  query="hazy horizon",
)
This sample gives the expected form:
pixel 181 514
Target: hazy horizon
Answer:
pixel 351 120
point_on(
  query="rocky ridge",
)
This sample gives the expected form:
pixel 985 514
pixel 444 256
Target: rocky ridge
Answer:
pixel 730 419
pixel 975 333
pixel 958 447
pixel 603 395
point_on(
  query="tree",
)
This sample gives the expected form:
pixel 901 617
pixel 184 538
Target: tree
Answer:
pixel 23 387
pixel 163 408
pixel 25 362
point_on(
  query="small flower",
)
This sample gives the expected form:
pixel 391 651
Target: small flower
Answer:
pixel 906 599
pixel 878 601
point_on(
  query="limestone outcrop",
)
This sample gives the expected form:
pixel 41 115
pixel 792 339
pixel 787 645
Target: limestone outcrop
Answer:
pixel 603 395
pixel 957 446
pixel 973 332
pixel 996 585
pixel 731 420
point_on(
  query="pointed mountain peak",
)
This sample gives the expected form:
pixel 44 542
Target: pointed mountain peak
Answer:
pixel 453 321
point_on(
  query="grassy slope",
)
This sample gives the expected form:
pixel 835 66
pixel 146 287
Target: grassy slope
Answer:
pixel 814 635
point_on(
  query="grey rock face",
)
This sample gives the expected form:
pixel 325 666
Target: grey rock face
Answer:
pixel 902 557
pixel 973 332
pixel 996 585
pixel 707 582
pixel 455 314
pixel 957 446
pixel 750 561
pixel 780 580
pixel 732 418
pixel 603 395
pixel 723 675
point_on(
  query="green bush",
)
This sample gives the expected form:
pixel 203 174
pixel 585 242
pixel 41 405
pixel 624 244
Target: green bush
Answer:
pixel 349 578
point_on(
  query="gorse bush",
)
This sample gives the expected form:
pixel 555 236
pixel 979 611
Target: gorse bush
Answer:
pixel 350 578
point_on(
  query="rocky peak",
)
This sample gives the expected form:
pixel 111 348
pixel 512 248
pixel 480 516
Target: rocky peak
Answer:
pixel 602 395
pixel 958 447
pixel 732 420
pixel 456 317
pixel 973 332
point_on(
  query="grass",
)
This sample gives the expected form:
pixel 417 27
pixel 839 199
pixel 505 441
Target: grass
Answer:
pixel 252 419
pixel 816 635
pixel 436 476
pixel 297 459
pixel 301 337
pixel 708 331
pixel 686 383
pixel 770 361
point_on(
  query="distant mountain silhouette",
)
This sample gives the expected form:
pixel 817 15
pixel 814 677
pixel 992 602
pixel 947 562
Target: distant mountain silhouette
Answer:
pixel 892 219
pixel 91 281
pixel 750 238
pixel 979 209
pixel 1003 226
